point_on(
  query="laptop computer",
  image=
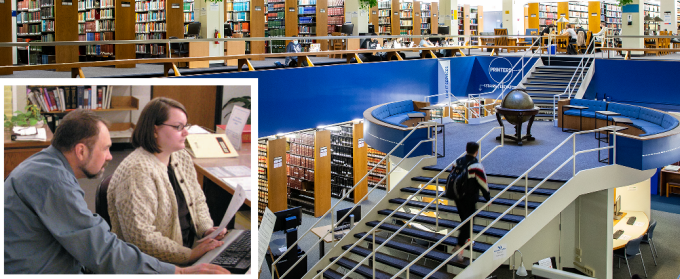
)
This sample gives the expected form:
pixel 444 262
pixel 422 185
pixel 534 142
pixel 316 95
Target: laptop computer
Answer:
pixel 233 255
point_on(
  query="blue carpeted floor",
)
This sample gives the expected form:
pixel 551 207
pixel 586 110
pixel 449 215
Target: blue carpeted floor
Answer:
pixel 514 160
pixel 668 204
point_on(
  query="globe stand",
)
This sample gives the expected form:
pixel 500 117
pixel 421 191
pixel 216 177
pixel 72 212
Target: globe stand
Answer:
pixel 518 127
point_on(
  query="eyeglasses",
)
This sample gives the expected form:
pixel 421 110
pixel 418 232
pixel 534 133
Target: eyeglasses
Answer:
pixel 179 127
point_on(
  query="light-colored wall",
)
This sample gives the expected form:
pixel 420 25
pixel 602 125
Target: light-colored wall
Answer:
pixel 232 92
pixel 636 197
pixel 669 6
pixel 595 222
pixel 211 18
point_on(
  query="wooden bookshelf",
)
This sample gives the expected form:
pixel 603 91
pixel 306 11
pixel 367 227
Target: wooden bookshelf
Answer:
pixel 416 20
pixel 6 36
pixel 174 18
pixel 594 16
pixel 125 30
pixel 532 17
pixel 374 156
pixel 394 16
pixel 322 23
pixel 66 18
pixel 291 12
pixel 118 103
pixel 309 172
pixel 360 165
pixel 257 26
pixel 373 18
pixel 322 173
pixel 384 26
pixel 434 18
pixel 562 10
pixel 276 176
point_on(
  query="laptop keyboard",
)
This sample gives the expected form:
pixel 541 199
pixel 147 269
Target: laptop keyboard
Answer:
pixel 236 257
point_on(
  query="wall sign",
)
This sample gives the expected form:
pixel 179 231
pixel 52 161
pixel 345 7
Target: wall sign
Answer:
pixel 533 15
pixel 125 4
pixel 323 152
pixel 593 14
pixel 175 6
pixel 374 12
pixel 278 162
pixel 322 10
pixel 361 142
pixel 291 9
pixel 258 8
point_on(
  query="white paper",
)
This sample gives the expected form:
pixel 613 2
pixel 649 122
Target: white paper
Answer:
pixel 624 237
pixel 25 130
pixel 639 224
pixel 500 251
pixel 40 136
pixel 236 182
pixel 545 263
pixel 234 205
pixel 214 7
pixel 229 171
pixel 361 142
pixel 195 129
pixel 323 151
pixel 278 162
pixel 237 120
pixel 632 188
pixel 265 234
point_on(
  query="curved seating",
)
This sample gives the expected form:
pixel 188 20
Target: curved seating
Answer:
pixel 395 113
pixel 648 120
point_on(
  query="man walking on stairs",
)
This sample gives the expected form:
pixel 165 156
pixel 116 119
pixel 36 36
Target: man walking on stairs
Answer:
pixel 467 177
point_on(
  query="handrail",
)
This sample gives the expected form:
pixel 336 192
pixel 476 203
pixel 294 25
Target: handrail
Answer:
pixel 509 74
pixel 372 230
pixel 524 198
pixel 449 103
pixel 570 88
pixel 423 124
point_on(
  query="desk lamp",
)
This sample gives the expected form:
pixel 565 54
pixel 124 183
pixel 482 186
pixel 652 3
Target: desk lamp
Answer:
pixel 521 271
pixel 562 20
pixel 657 20
pixel 648 19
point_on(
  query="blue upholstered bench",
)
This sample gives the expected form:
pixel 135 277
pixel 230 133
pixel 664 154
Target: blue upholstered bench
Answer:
pixel 395 113
pixel 648 120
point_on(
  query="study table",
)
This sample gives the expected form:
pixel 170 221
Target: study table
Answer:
pixel 634 231
pixel 18 151
pixel 321 231
pixel 202 170
pixel 665 176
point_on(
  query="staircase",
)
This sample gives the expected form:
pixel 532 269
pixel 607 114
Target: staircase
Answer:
pixel 549 80
pixel 427 228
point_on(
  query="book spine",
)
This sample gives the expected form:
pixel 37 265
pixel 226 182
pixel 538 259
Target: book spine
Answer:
pixel 86 98
pixel 55 94
pixel 80 96
pixel 100 96
pixel 67 95
pixel 48 102
pixel 63 99
pixel 74 97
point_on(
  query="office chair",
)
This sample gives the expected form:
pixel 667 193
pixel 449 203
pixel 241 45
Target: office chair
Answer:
pixel 179 49
pixel 631 250
pixel 648 238
pixel 101 204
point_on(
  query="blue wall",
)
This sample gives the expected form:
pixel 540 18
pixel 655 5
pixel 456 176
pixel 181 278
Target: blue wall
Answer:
pixel 645 83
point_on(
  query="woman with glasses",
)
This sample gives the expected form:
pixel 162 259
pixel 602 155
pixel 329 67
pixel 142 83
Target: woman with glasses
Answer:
pixel 154 199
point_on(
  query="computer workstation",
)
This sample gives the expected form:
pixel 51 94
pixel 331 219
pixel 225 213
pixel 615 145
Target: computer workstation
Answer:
pixel 287 221
pixel 627 225
pixel 342 226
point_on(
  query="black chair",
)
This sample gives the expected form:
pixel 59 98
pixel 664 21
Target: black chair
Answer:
pixel 178 48
pixel 631 250
pixel 648 238
pixel 101 204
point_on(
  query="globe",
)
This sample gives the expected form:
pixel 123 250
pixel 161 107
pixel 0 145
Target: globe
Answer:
pixel 517 99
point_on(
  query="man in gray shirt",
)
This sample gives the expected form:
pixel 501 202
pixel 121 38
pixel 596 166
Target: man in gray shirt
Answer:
pixel 48 227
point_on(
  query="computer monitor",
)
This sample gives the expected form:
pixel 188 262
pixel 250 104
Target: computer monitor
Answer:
pixel 371 28
pixel 617 208
pixel 227 30
pixel 443 30
pixel 194 29
pixel 435 40
pixel 341 213
pixel 288 219
pixel 347 28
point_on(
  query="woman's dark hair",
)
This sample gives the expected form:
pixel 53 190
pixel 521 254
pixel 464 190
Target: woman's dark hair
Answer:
pixel 77 126
pixel 154 113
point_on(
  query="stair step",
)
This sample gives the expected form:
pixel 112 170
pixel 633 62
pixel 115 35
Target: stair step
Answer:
pixel 538 89
pixel 572 68
pixel 498 201
pixel 551 78
pixel 399 263
pixel 415 250
pixel 541 83
pixel 518 189
pixel 430 236
pixel 445 223
pixel 363 269
pixel 452 209
pixel 435 168
pixel 331 274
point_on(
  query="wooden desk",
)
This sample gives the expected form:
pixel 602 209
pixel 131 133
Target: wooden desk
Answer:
pixel 630 230
pixel 664 176
pixel 321 231
pixel 18 151
pixel 234 48
pixel 199 49
pixel 243 159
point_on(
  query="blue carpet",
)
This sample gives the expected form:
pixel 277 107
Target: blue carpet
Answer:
pixel 662 203
pixel 513 160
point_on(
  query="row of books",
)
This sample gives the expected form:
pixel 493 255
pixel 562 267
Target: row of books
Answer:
pixel 149 36
pixel 99 36
pixel 384 13
pixel 242 27
pixel 336 20
pixel 335 3
pixel 384 4
pixel 307 2
pixel 64 98
pixel 149 27
pixel 47 25
pixel 47 12
pixel 99 25
pixel 27 5
pixel 306 10
pixel 188 17
pixel 28 17
pixel 152 16
pixel 241 6
pixel 44 3
pixel 307 29
pixel 336 11
pixel 100 50
pixel 28 29
pixel 305 19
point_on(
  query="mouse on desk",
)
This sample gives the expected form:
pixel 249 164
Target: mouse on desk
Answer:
pixel 631 220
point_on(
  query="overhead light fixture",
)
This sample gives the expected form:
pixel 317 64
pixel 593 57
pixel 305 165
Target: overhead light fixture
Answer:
pixel 521 271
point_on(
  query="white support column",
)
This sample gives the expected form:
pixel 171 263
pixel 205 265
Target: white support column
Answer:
pixel 513 16
pixel 635 12
pixel 669 13
pixel 357 16
pixel 211 16
pixel 448 15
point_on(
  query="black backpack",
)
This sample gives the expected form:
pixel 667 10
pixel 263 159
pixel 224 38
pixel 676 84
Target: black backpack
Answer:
pixel 457 181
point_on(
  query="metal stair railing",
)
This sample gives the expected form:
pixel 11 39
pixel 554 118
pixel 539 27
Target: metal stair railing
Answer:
pixel 427 124
pixel 570 88
pixel 372 230
pixel 450 103
pixel 478 97
pixel 524 198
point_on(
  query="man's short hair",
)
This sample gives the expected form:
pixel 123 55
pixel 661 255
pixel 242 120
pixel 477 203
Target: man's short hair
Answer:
pixel 471 147
pixel 154 113
pixel 77 126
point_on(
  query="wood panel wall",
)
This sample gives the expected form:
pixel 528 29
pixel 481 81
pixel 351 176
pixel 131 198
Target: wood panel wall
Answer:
pixel 6 36
pixel 125 30
pixel 322 173
pixel 277 178
pixel 360 161
pixel 199 101
pixel 257 27
pixel 174 19
pixel 66 29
